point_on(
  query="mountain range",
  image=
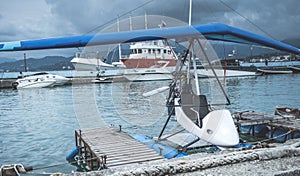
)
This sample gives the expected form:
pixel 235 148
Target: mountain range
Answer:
pixel 48 63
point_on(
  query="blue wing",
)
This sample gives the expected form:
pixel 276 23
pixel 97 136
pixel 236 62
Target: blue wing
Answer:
pixel 210 31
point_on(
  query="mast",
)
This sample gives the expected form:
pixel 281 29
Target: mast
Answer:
pixel 190 13
pixel 146 21
pixel 130 23
pixel 25 64
pixel 119 45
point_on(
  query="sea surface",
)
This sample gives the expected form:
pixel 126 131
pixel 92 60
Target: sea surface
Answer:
pixel 37 125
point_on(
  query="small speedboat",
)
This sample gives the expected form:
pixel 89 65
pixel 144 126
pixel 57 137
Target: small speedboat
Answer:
pixel 102 80
pixel 270 71
pixel 39 80
pixel 293 113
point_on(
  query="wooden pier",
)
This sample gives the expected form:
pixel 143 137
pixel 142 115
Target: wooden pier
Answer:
pixel 107 147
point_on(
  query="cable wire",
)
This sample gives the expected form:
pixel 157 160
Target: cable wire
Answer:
pixel 126 13
pixel 225 4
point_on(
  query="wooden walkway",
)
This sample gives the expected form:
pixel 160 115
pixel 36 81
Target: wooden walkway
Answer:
pixel 108 147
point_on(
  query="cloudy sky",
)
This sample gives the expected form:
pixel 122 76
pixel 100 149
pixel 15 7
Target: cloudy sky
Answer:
pixel 34 19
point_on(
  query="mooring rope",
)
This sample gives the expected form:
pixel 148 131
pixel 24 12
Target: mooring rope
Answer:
pixel 29 170
pixel 192 164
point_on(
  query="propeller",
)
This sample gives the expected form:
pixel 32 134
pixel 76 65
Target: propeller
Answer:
pixel 156 91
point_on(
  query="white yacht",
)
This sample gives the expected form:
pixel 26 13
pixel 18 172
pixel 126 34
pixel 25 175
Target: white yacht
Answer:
pixel 92 62
pixel 148 61
pixel 148 54
pixel 39 80
pixel 143 55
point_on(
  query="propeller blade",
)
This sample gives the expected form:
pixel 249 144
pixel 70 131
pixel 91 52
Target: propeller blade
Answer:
pixel 155 91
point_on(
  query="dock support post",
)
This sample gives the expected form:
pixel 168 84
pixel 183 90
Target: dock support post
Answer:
pixel 272 133
pixel 160 151
pixel 76 139
pixel 239 128
pixel 292 134
pixel 80 147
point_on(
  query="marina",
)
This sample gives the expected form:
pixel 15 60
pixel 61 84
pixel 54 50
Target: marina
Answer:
pixel 157 111
pixel 262 87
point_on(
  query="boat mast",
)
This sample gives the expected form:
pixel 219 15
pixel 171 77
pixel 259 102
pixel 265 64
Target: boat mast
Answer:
pixel 25 64
pixel 130 22
pixel 119 45
pixel 146 21
pixel 190 13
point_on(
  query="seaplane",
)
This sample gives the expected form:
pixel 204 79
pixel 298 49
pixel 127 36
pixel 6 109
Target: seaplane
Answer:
pixel 190 106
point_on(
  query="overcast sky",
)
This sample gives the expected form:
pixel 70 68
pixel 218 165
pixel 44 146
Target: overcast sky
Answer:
pixel 34 19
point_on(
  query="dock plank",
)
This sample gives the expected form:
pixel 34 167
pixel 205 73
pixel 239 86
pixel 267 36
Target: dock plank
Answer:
pixel 118 147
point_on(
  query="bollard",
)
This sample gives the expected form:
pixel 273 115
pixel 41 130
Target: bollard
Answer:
pixel 160 151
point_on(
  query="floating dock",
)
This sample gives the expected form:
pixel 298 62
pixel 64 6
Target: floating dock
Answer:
pixel 289 126
pixel 107 147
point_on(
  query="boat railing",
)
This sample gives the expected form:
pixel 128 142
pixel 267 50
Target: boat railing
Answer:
pixel 87 55
pixel 124 56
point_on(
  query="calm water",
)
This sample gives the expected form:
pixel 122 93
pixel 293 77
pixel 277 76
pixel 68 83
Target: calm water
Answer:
pixel 37 125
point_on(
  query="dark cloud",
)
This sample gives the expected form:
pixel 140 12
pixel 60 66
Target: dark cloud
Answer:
pixel 274 16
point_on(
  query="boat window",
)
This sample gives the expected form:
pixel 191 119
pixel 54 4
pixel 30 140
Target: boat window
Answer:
pixel 139 50
pixel 165 51
pixel 153 50
pixel 155 42
pixel 158 51
pixel 149 51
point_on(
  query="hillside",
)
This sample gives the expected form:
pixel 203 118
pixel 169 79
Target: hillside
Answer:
pixel 48 63
pixel 6 59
